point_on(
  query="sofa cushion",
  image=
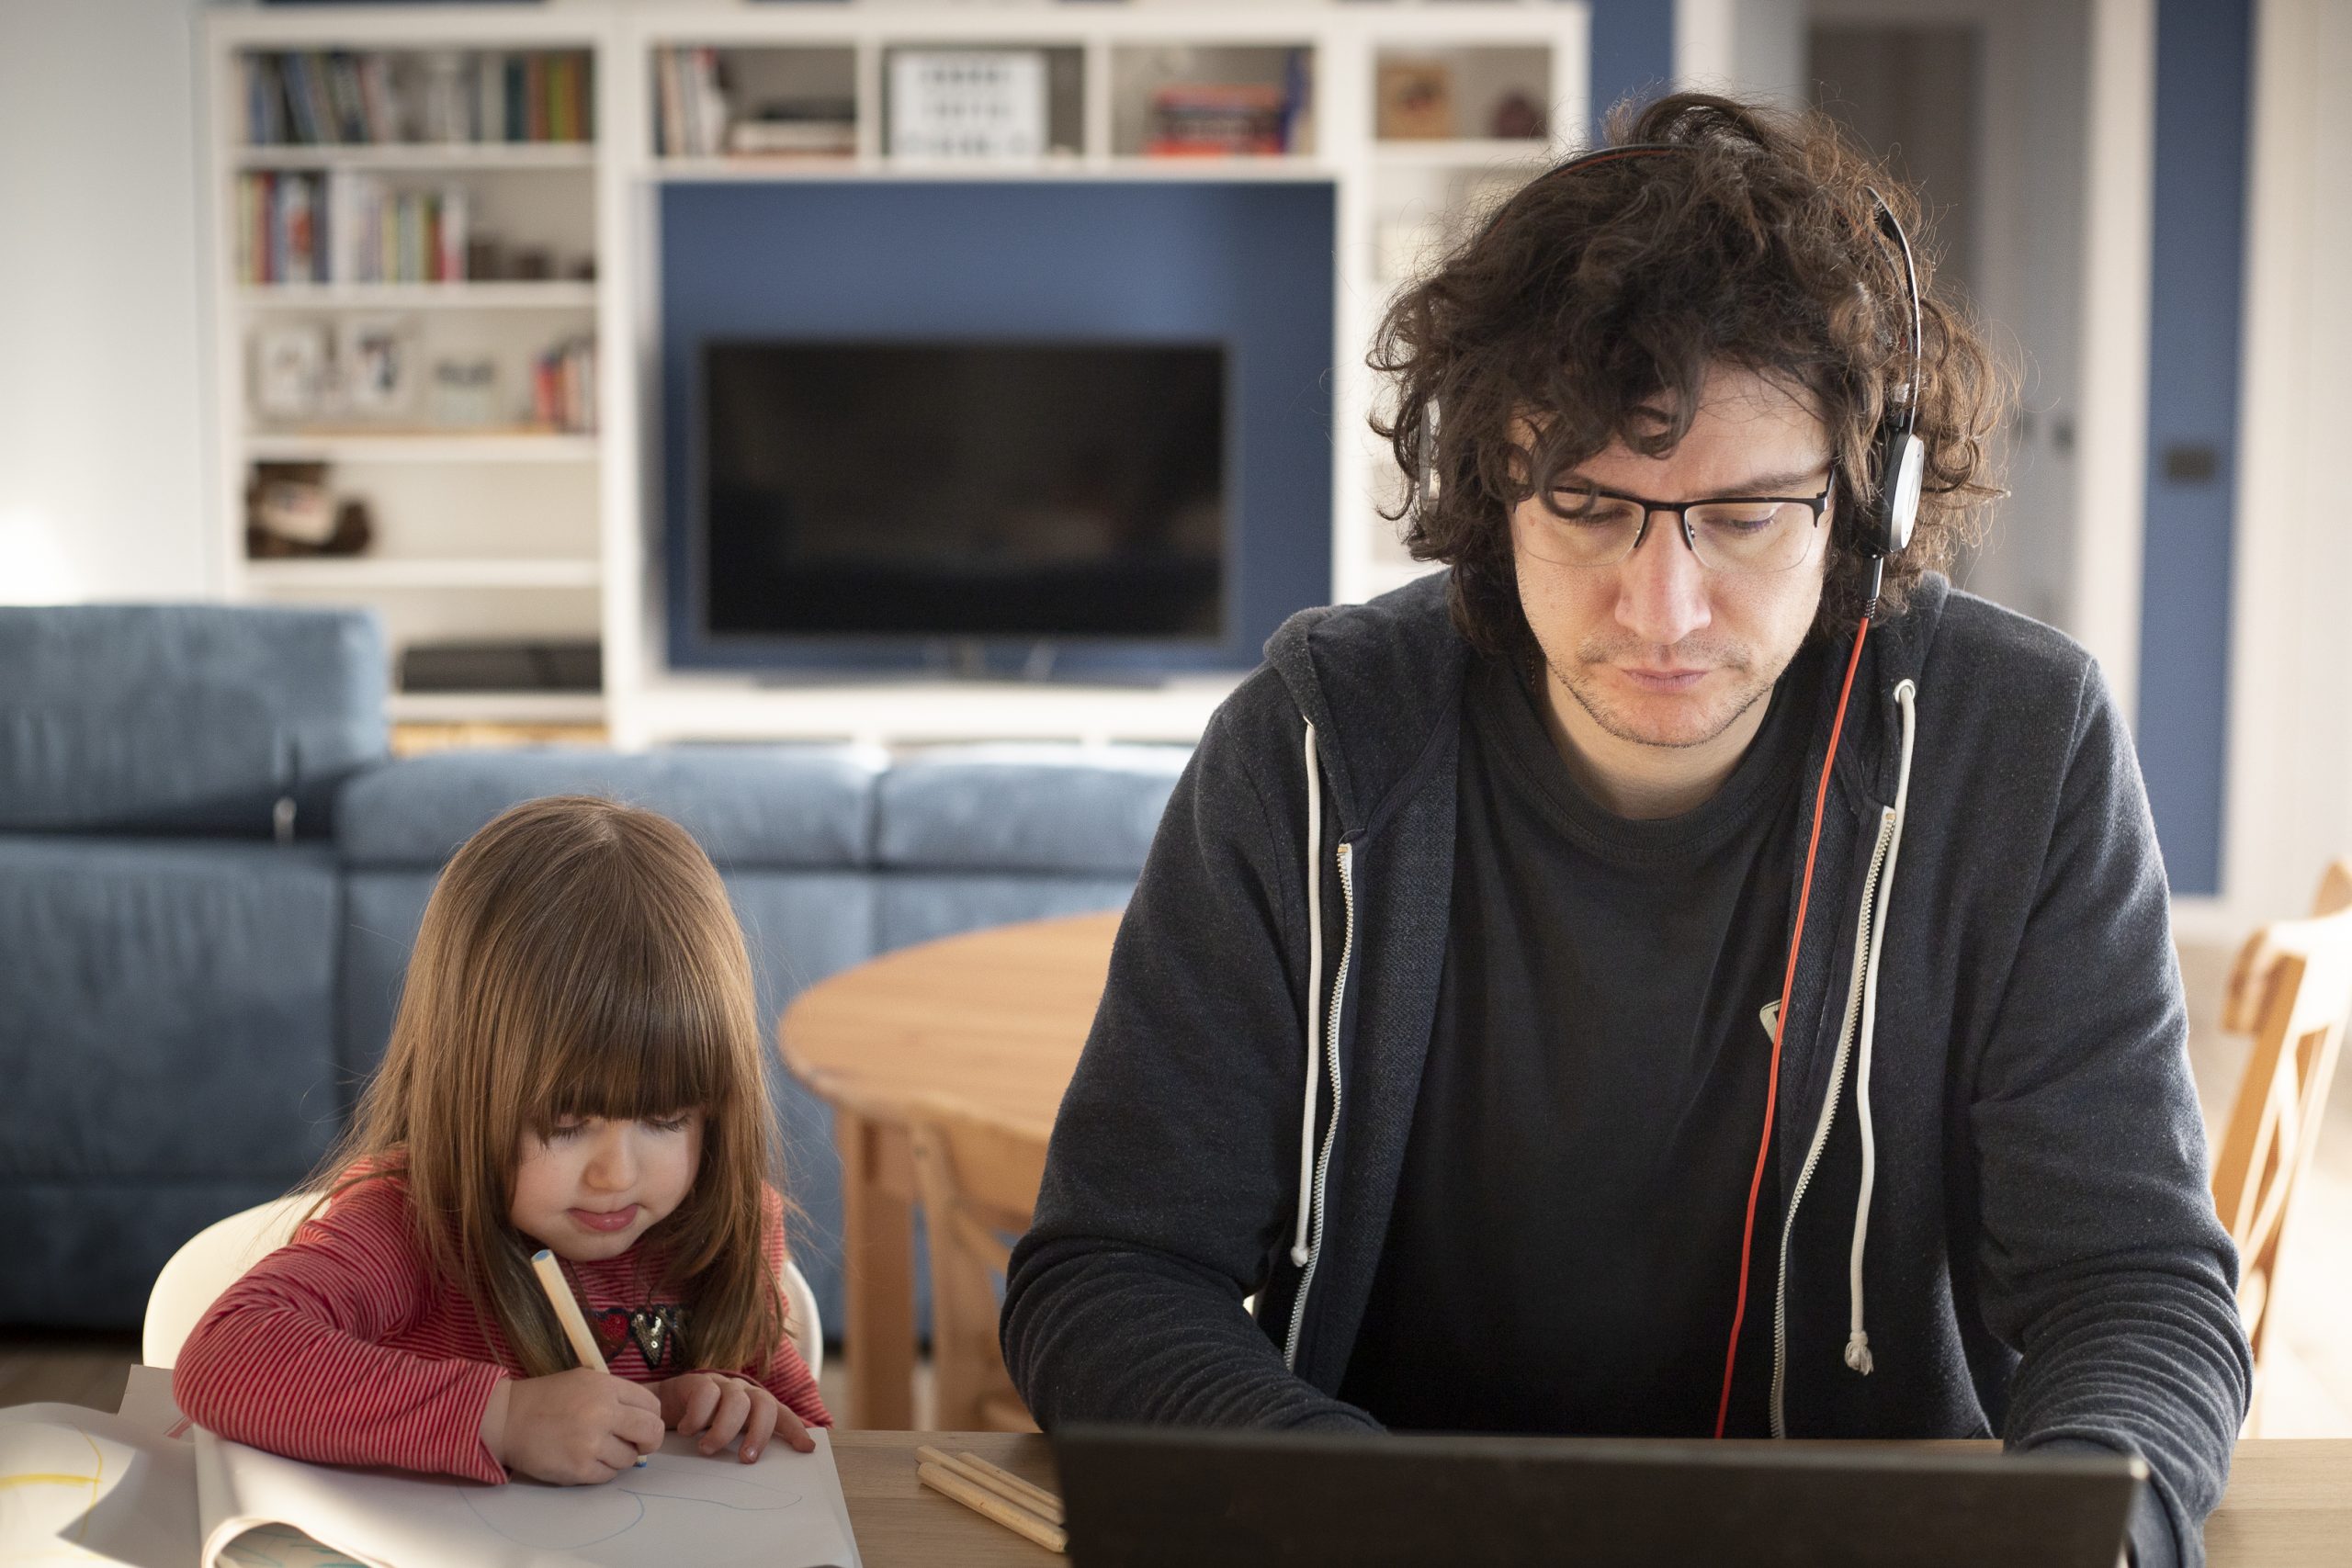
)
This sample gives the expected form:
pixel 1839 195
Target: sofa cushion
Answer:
pixel 86 1252
pixel 1026 808
pixel 183 717
pixel 920 907
pixel 747 805
pixel 166 1008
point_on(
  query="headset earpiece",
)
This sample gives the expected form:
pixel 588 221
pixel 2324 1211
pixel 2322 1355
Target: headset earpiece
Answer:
pixel 1902 456
pixel 1902 459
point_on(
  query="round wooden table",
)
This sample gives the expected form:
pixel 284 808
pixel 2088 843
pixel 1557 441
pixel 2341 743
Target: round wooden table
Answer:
pixel 990 1022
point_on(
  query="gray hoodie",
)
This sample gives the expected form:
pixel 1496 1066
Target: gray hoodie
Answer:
pixel 1987 967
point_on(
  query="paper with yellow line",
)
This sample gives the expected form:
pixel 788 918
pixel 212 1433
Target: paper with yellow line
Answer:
pixel 82 1487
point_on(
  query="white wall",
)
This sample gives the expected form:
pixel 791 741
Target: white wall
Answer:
pixel 2289 807
pixel 102 455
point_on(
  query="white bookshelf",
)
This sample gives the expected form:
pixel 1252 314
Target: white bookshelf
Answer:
pixel 491 526
pixel 598 574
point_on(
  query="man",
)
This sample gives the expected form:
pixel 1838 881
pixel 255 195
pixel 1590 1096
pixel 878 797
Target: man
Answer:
pixel 1454 1025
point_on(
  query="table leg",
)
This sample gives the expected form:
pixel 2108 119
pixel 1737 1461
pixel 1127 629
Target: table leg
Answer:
pixel 878 1278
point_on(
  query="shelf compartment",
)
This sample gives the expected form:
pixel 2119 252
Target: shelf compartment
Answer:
pixel 1062 112
pixel 1166 95
pixel 1433 93
pixel 795 100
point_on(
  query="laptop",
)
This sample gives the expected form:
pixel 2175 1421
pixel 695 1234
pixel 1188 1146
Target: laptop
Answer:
pixel 1139 1498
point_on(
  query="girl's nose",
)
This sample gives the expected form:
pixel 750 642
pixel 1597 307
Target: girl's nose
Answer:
pixel 1661 587
pixel 613 1162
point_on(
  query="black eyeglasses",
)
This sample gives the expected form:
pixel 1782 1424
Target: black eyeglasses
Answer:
pixel 1732 534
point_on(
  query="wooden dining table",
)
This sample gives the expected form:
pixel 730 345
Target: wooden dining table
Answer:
pixel 989 1023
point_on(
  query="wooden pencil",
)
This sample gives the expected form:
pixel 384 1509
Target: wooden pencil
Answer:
pixel 567 1309
pixel 989 1504
pixel 567 1312
pixel 1006 1484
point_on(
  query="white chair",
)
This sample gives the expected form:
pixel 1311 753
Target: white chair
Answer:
pixel 209 1261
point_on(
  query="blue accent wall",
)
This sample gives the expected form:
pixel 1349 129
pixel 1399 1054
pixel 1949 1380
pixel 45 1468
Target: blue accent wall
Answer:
pixel 2203 62
pixel 1632 51
pixel 1247 265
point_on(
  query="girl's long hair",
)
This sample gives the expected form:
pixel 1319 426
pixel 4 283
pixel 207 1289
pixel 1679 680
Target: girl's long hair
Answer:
pixel 578 958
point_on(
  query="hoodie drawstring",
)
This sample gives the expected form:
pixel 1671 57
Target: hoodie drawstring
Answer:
pixel 1298 1249
pixel 1857 1343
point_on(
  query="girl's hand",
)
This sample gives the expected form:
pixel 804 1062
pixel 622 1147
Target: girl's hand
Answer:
pixel 720 1407
pixel 575 1427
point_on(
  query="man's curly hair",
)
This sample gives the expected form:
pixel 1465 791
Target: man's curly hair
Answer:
pixel 1589 307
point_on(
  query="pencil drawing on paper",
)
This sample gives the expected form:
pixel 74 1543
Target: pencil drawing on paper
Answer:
pixel 566 1518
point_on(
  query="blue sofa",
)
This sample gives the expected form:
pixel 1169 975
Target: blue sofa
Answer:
pixel 210 872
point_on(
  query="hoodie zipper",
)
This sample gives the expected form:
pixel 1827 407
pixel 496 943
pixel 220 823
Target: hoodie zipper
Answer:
pixel 1332 1056
pixel 1886 824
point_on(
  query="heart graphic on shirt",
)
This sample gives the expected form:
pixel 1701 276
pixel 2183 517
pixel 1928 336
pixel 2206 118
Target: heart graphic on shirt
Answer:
pixel 655 1330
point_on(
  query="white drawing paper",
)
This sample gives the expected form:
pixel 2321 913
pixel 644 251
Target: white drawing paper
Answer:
pixel 80 1486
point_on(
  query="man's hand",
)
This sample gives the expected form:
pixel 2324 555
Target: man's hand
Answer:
pixel 576 1428
pixel 720 1407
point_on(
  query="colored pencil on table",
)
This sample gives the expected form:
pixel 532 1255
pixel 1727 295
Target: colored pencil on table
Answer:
pixel 991 1506
pixel 1003 1483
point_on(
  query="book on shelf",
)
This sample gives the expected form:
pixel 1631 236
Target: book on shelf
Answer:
pixel 797 127
pixel 346 226
pixel 376 99
pixel 1226 119
pixel 563 387
pixel 1215 118
pixel 692 103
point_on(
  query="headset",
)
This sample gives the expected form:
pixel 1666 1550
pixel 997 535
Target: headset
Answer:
pixel 1899 459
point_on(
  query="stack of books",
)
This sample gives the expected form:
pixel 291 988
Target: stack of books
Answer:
pixel 347 227
pixel 563 386
pixel 337 97
pixel 1225 119
pixel 797 127
pixel 1217 120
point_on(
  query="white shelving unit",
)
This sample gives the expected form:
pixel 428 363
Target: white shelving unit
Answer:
pixel 1394 200
pixel 482 530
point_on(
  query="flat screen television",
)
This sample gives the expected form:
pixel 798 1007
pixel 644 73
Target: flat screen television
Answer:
pixel 913 493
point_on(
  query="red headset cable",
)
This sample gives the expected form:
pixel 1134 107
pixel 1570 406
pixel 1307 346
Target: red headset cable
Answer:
pixel 1781 1020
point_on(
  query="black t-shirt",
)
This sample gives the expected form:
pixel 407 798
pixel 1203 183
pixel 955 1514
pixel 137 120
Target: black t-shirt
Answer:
pixel 1564 1252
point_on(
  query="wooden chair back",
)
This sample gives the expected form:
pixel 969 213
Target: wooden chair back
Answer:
pixel 2292 989
pixel 979 1184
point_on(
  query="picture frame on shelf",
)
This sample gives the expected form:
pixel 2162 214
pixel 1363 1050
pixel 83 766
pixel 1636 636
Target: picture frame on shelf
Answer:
pixel 465 391
pixel 1414 101
pixel 378 361
pixel 968 104
pixel 293 370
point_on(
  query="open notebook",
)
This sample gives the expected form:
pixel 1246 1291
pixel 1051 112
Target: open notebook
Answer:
pixel 80 1485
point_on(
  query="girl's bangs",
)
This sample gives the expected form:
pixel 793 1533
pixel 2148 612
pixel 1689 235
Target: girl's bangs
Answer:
pixel 638 1052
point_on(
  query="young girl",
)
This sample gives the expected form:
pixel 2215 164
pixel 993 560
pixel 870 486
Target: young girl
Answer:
pixel 575 1066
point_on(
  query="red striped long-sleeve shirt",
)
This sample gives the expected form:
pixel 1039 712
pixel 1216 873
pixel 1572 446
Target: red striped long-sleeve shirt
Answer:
pixel 344 1347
